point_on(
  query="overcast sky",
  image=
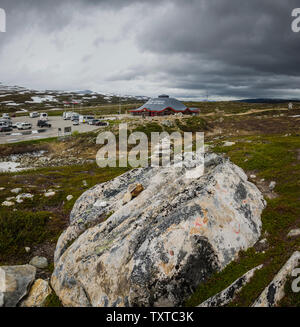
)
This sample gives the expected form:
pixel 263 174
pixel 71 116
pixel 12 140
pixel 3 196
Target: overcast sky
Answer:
pixel 185 48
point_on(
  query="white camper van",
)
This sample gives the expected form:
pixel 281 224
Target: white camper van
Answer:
pixel 70 115
pixel 43 116
pixel 34 114
pixel 85 119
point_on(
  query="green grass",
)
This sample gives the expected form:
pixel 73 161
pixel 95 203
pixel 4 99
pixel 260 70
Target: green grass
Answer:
pixel 42 219
pixel 149 128
pixel 193 124
pixel 20 228
pixel 234 107
pixel 52 301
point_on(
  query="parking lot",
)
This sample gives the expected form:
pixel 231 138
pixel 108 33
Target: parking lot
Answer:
pixel 57 122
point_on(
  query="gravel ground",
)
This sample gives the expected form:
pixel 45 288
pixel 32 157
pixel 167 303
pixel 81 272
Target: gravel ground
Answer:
pixel 56 122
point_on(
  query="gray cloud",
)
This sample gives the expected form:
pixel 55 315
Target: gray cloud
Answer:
pixel 228 48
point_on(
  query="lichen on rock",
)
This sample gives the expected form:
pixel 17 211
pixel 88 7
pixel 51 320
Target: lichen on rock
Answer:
pixel 157 248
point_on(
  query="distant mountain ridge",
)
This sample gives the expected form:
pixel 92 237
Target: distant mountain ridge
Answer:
pixel 268 100
pixel 15 98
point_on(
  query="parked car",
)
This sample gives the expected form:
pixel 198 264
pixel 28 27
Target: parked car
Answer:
pixel 17 124
pixel 6 116
pixel 6 121
pixel 25 126
pixel 43 123
pixel 4 128
pixel 93 121
pixel 75 122
pixel 85 119
pixel 75 117
pixel 67 115
pixel 101 123
pixel 34 114
pixel 44 116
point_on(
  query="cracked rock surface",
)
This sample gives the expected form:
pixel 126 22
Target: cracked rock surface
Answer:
pixel 155 249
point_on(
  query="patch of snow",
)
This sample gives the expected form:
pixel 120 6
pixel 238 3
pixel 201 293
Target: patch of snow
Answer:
pixel 11 167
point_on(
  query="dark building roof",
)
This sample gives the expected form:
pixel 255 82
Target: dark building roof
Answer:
pixel 163 102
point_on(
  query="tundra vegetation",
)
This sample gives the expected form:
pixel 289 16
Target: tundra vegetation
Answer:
pixel 266 143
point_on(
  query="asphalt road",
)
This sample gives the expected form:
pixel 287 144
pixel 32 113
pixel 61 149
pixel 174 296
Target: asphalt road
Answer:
pixel 56 122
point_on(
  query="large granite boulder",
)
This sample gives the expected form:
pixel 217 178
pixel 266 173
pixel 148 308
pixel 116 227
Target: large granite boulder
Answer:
pixel 154 249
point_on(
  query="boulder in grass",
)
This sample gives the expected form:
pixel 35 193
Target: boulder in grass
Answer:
pixel 157 248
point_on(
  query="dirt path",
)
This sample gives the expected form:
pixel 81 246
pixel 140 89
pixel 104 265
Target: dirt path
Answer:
pixel 249 112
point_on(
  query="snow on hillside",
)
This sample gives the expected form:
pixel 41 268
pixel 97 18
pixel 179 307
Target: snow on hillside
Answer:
pixel 15 96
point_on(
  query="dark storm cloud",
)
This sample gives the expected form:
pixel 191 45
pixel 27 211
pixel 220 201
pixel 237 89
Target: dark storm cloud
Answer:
pixel 251 39
pixel 228 48
pixel 255 33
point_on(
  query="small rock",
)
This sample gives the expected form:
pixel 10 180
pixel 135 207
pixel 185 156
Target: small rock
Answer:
pixel 20 197
pixel 7 204
pixel 49 194
pixel 2 188
pixel 84 183
pixel 38 294
pixel 294 233
pixel 272 185
pixel 69 197
pixel 14 283
pixel 16 190
pixel 136 190
pixel 39 262
pixel 262 180
pixel 261 245
pixel 27 249
pixel 167 123
pixel 252 176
